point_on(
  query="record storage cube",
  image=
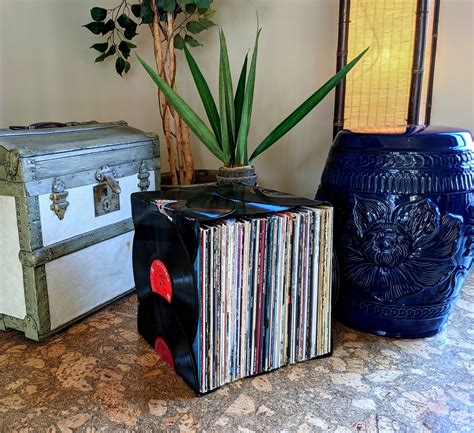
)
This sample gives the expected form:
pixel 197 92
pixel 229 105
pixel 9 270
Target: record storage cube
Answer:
pixel 227 297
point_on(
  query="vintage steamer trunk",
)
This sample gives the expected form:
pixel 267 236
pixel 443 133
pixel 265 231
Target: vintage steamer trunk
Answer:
pixel 65 220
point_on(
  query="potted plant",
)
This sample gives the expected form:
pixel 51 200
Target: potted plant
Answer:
pixel 174 24
pixel 227 137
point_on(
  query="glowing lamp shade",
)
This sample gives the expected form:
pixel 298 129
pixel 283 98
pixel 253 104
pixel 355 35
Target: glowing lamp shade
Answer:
pixel 391 87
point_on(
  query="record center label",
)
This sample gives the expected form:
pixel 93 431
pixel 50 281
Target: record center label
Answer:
pixel 164 351
pixel 160 280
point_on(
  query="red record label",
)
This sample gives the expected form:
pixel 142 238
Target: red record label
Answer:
pixel 160 280
pixel 164 351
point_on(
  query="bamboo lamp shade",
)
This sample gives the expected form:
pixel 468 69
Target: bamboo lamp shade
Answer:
pixel 391 87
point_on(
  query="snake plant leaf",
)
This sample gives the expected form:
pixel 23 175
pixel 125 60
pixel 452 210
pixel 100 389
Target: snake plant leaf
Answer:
pixel 226 102
pixel 194 122
pixel 239 96
pixel 205 94
pixel 297 115
pixel 241 147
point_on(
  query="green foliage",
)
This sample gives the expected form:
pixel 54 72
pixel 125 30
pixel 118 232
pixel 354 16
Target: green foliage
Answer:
pixel 95 27
pixel 188 115
pixel 192 42
pixel 98 14
pixel 120 24
pixel 228 139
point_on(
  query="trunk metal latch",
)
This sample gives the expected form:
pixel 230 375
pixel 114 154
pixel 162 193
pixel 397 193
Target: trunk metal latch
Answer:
pixel 107 193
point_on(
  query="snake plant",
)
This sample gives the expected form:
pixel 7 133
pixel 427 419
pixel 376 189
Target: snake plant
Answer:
pixel 227 138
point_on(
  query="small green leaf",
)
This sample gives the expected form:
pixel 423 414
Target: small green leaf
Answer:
pixel 178 42
pixel 119 65
pixel 203 4
pixel 209 14
pixel 123 21
pixel 98 14
pixel 202 11
pixel 101 58
pixel 101 48
pixel 108 27
pixel 194 122
pixel 190 8
pixel 130 33
pixel 127 67
pixel 136 10
pixel 112 50
pixel 206 23
pixel 167 5
pixel 94 27
pixel 130 45
pixel 146 13
pixel 124 49
pixel 195 27
pixel 192 42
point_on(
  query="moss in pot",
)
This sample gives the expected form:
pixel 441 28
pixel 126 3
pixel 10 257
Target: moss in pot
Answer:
pixel 227 137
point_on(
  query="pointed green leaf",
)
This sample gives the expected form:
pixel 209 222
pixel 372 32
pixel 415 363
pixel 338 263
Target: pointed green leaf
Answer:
pixel 98 14
pixel 195 27
pixel 203 4
pixel 209 14
pixel 205 94
pixel 167 5
pixel 178 42
pixel 226 103
pixel 111 51
pixel 124 49
pixel 190 8
pixel 192 42
pixel 207 24
pixel 239 96
pixel 297 115
pixel 146 13
pixel 119 65
pixel 194 122
pixel 136 10
pixel 108 26
pixel 101 58
pixel 94 27
pixel 101 48
pixel 241 151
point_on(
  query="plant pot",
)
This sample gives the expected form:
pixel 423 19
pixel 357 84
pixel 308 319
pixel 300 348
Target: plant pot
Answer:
pixel 244 175
pixel 404 227
pixel 200 177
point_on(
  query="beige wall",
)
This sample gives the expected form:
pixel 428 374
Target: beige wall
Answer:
pixel 47 73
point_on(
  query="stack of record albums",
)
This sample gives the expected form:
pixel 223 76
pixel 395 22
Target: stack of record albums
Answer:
pixel 232 281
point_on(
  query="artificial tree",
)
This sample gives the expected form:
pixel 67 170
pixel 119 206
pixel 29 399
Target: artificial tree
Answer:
pixel 173 24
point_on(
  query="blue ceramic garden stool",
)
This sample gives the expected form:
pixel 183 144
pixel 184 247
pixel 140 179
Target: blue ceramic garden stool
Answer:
pixel 404 227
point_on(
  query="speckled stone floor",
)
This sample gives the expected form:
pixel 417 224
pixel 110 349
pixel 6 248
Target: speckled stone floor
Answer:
pixel 99 375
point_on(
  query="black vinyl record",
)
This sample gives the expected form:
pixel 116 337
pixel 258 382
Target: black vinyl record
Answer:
pixel 161 328
pixel 161 265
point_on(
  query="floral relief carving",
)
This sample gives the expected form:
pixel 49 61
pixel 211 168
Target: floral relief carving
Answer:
pixel 391 251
